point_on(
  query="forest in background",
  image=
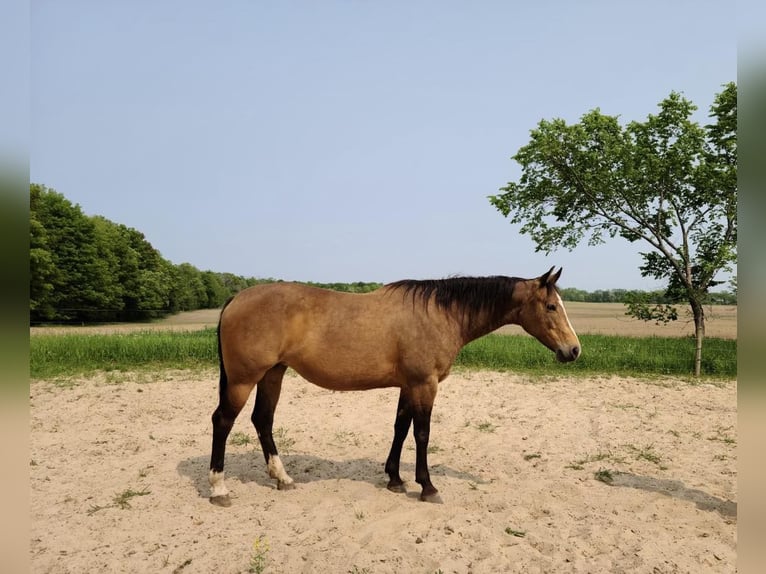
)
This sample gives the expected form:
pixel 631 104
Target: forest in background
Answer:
pixel 86 269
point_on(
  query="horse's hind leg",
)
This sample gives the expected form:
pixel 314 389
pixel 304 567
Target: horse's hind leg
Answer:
pixel 266 399
pixel 232 397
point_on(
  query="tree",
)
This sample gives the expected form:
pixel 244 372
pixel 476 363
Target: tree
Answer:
pixel 72 281
pixel 667 182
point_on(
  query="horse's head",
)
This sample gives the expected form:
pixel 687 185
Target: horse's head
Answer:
pixel 542 315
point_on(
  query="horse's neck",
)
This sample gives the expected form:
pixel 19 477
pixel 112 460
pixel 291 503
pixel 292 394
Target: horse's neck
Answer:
pixel 473 327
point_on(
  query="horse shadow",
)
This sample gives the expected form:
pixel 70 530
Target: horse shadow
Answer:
pixel 676 489
pixel 250 467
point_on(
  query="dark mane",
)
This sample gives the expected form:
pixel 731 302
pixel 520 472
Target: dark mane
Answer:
pixel 471 295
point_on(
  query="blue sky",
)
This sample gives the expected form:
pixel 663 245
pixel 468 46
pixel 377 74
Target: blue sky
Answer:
pixel 346 140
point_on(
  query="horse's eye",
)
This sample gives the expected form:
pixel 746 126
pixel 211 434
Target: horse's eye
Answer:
pixel 551 307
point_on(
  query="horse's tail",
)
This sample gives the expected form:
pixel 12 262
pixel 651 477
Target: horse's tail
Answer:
pixel 223 381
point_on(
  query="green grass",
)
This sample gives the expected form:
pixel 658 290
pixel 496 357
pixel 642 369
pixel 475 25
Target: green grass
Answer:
pixel 602 354
pixel 76 354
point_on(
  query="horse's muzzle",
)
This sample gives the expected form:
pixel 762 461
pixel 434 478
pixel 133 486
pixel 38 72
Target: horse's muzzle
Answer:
pixel 568 355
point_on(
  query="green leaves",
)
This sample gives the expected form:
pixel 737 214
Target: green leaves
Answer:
pixel 666 181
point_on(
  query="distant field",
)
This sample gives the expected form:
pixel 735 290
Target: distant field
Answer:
pixel 587 318
pixel 610 319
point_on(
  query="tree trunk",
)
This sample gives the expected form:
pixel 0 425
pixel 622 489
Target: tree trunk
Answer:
pixel 699 332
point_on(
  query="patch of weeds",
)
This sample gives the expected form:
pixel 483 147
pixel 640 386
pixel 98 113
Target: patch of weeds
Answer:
pixel 625 406
pixel 359 514
pixel 516 533
pixel 722 436
pixel 434 448
pixel 675 433
pixel 258 557
pixel 720 457
pixel 285 442
pixel 599 456
pixel 122 500
pixel 532 456
pixel 356 570
pixel 646 453
pixel 347 437
pixel 486 427
pixel 473 486
pixel 240 438
pixel 604 475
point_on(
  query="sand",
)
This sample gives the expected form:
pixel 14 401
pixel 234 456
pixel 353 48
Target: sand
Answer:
pixel 515 460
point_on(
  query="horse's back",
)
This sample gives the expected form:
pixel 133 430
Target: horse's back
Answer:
pixel 322 334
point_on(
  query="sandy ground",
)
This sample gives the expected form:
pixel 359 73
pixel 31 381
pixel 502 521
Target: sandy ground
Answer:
pixel 515 460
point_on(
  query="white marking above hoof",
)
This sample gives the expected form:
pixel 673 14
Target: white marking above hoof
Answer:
pixel 217 485
pixel 276 470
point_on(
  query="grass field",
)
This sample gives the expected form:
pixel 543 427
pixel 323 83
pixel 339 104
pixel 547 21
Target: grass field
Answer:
pixel 73 354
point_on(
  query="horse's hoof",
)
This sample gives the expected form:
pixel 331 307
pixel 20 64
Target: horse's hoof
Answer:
pixel 221 500
pixel 285 485
pixel 397 487
pixel 433 497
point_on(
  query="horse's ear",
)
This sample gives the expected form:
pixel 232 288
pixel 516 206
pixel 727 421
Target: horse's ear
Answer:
pixel 545 277
pixel 553 280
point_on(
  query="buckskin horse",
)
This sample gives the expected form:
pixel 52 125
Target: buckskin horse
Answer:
pixel 406 334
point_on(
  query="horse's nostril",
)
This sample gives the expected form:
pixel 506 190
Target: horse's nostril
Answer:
pixel 575 352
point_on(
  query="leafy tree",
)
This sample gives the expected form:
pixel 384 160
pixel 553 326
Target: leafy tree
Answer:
pixel 41 271
pixel 73 281
pixel 188 290
pixel 215 291
pixel 667 182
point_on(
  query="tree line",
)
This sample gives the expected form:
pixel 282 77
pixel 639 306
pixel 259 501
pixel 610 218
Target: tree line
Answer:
pixel 90 269
pixel 658 297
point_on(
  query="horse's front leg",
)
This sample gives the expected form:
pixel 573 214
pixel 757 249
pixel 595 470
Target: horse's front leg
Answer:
pixel 423 400
pixel 401 428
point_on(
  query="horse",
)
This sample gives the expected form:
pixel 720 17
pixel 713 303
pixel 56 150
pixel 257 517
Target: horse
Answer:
pixel 405 334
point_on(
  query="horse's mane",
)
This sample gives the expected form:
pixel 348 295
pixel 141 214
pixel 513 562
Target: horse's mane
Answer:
pixel 471 295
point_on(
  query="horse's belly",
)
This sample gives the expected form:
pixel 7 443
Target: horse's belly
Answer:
pixel 344 371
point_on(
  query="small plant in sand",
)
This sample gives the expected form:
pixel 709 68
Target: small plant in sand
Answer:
pixel 347 437
pixel 486 427
pixel 285 442
pixel 599 456
pixel 604 475
pixel 258 558
pixel 723 436
pixel 240 438
pixel 122 500
pixel 516 533
pixel 646 453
